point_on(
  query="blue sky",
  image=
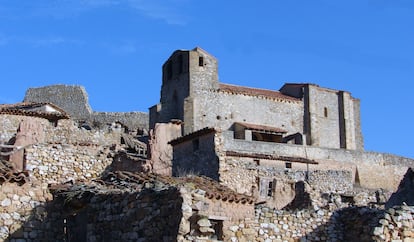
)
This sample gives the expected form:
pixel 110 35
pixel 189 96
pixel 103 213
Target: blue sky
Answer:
pixel 115 49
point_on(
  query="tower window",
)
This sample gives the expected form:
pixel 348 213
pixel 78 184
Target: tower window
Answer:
pixel 325 112
pixel 200 61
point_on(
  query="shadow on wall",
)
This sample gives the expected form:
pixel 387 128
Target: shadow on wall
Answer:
pixel 405 192
pixel 347 224
pixel 113 216
pixel 198 166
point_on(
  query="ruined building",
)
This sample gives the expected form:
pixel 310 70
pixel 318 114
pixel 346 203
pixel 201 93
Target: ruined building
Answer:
pixel 210 162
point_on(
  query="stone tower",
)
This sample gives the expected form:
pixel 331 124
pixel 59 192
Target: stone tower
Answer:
pixel 185 75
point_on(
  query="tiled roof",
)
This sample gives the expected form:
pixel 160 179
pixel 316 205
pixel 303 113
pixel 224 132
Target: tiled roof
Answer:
pixel 259 127
pixel 23 109
pixel 233 89
pixel 9 174
pixel 129 181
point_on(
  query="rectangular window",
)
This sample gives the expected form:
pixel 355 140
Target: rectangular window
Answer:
pixel 200 61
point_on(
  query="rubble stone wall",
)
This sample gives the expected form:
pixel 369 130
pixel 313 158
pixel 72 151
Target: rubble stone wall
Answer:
pixel 56 163
pixel 28 215
pixel 133 120
pixel 138 216
pixel 348 224
pixel 66 131
pixel 73 99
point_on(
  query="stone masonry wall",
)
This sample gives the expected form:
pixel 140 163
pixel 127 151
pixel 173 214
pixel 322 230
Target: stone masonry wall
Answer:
pixel 73 99
pixel 140 216
pixel 56 163
pixel 133 120
pixel 65 132
pixel 27 214
pixel 221 110
pixel 347 224
pixel 370 165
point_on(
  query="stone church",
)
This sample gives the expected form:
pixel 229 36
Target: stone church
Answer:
pixel 191 92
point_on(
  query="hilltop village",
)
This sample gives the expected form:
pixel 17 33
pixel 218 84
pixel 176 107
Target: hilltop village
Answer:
pixel 210 162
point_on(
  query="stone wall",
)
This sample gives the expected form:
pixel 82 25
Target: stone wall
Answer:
pixel 28 214
pixel 221 110
pixel 73 99
pixel 64 132
pixel 196 156
pixel 57 163
pixel 135 121
pixel 368 167
pixel 137 216
pixel 347 224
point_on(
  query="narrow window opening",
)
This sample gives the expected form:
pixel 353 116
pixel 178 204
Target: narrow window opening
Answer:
pixel 325 112
pixel 200 61
pixel 257 161
pixel 196 144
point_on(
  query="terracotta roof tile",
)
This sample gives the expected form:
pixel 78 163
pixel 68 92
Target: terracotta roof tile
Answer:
pixel 124 180
pixel 22 109
pixel 255 92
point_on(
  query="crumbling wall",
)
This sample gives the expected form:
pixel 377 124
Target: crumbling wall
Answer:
pixel 28 214
pixel 74 100
pixel 134 121
pixel 161 153
pixel 150 215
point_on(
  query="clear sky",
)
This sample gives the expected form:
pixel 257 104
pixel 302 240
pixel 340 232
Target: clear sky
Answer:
pixel 115 49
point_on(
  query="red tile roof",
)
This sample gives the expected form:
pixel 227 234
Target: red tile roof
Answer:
pixel 23 109
pixel 124 180
pixel 233 89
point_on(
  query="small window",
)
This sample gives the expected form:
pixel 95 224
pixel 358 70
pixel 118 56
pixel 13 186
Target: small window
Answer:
pixel 288 165
pixel 196 144
pixel 257 161
pixel 325 112
pixel 200 61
